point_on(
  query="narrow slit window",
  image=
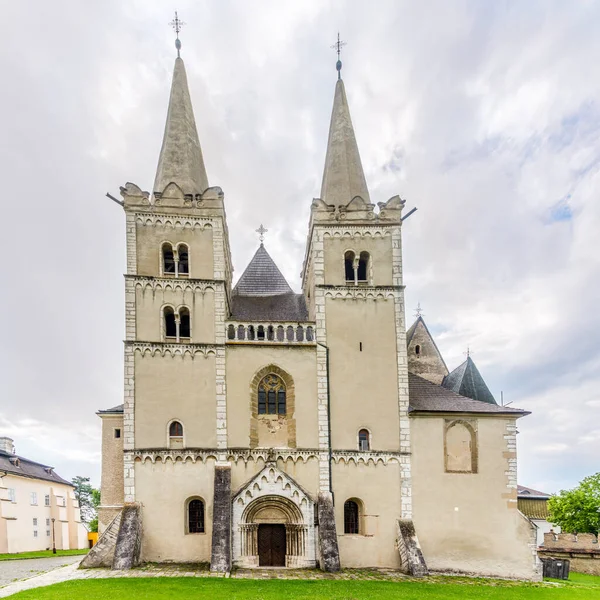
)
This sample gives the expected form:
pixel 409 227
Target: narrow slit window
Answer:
pixel 262 402
pixel 271 398
pixel 418 350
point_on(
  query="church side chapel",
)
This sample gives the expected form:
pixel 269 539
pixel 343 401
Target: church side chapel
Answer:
pixel 247 435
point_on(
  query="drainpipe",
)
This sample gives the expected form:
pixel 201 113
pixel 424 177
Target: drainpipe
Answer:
pixel 328 416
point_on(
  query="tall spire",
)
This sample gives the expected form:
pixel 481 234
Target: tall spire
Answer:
pixel 180 158
pixel 343 177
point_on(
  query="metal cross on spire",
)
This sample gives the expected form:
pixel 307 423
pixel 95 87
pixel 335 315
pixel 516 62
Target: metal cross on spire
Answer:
pixel 338 48
pixel 261 233
pixel 418 311
pixel 468 352
pixel 177 24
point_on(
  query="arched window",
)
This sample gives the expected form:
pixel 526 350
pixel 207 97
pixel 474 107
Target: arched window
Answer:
pixel 351 517
pixel 364 440
pixel 363 267
pixel 271 396
pixel 418 350
pixel 195 516
pixel 170 324
pixel 183 266
pixel 349 266
pixel 231 332
pixel 175 435
pixel 168 259
pixel 184 323
pixel 460 445
pixel 176 429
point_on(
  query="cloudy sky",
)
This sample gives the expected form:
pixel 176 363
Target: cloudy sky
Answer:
pixel 484 115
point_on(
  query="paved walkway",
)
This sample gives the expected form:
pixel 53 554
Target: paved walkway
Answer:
pixel 11 570
pixel 66 573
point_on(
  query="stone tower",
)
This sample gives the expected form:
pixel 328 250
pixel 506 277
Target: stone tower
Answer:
pixel 352 279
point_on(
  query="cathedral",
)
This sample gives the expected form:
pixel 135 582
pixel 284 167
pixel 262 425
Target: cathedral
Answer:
pixel 267 428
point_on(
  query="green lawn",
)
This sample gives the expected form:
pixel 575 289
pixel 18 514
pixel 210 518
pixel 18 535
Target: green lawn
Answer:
pixel 41 554
pixel 167 588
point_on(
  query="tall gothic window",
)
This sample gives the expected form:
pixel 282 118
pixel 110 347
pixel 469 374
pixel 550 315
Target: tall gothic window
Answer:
pixel 195 516
pixel 351 517
pixel 168 259
pixel 271 396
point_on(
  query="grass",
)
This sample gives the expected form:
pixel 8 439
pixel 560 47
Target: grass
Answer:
pixel 42 554
pixel 438 588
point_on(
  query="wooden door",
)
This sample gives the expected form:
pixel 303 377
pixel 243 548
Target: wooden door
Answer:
pixel 271 545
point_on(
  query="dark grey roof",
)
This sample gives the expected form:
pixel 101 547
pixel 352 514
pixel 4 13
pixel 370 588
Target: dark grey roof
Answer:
pixel 284 307
pixel 526 492
pixel 18 465
pixel 114 409
pixel 425 396
pixel 262 277
pixel 467 381
pixel 263 294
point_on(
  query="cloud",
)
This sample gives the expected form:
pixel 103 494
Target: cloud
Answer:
pixel 485 116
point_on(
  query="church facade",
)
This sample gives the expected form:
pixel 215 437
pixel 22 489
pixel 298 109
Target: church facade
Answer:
pixel 264 427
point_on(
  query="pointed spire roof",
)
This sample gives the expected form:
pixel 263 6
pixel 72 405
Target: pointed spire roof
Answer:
pixel 466 380
pixel 343 176
pixel 180 158
pixel 262 277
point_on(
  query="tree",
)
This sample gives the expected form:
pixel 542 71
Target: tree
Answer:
pixel 577 510
pixel 88 498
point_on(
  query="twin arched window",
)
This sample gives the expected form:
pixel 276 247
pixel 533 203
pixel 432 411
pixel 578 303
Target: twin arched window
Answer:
pixel 357 267
pixel 271 395
pixel 352 516
pixel 195 516
pixel 175 260
pixel 177 324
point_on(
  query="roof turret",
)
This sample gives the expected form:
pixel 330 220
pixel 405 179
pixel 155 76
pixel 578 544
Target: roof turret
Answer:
pixel 466 380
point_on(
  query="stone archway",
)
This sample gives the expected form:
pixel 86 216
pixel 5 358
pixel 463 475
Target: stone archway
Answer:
pixel 269 503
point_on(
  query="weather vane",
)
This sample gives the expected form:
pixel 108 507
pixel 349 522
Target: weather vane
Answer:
pixel 261 233
pixel 338 48
pixel 418 311
pixel 177 24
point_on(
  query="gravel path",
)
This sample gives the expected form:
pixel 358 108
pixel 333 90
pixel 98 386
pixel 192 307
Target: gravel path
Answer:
pixel 11 570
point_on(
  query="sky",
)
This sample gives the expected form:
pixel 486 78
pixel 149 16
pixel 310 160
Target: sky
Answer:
pixel 483 115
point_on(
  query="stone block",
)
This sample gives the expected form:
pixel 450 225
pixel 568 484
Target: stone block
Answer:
pixel 221 534
pixel 412 561
pixel 328 544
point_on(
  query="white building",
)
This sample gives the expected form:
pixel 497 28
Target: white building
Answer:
pixel 36 506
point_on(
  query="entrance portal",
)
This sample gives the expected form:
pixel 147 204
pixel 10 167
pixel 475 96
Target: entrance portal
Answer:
pixel 271 545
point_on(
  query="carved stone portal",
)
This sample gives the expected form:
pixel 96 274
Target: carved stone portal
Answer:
pixel 273 498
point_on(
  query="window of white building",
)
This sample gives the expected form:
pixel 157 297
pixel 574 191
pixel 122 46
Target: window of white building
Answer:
pixel 35 533
pixel 12 494
pixel 47 500
pixel 34 522
pixel 47 522
pixel 33 497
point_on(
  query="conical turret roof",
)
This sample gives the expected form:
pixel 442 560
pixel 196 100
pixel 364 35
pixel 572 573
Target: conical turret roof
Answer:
pixel 466 380
pixel 343 176
pixel 181 158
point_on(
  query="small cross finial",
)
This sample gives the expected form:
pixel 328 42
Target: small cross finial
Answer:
pixel 418 311
pixel 468 352
pixel 338 48
pixel 261 233
pixel 177 24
